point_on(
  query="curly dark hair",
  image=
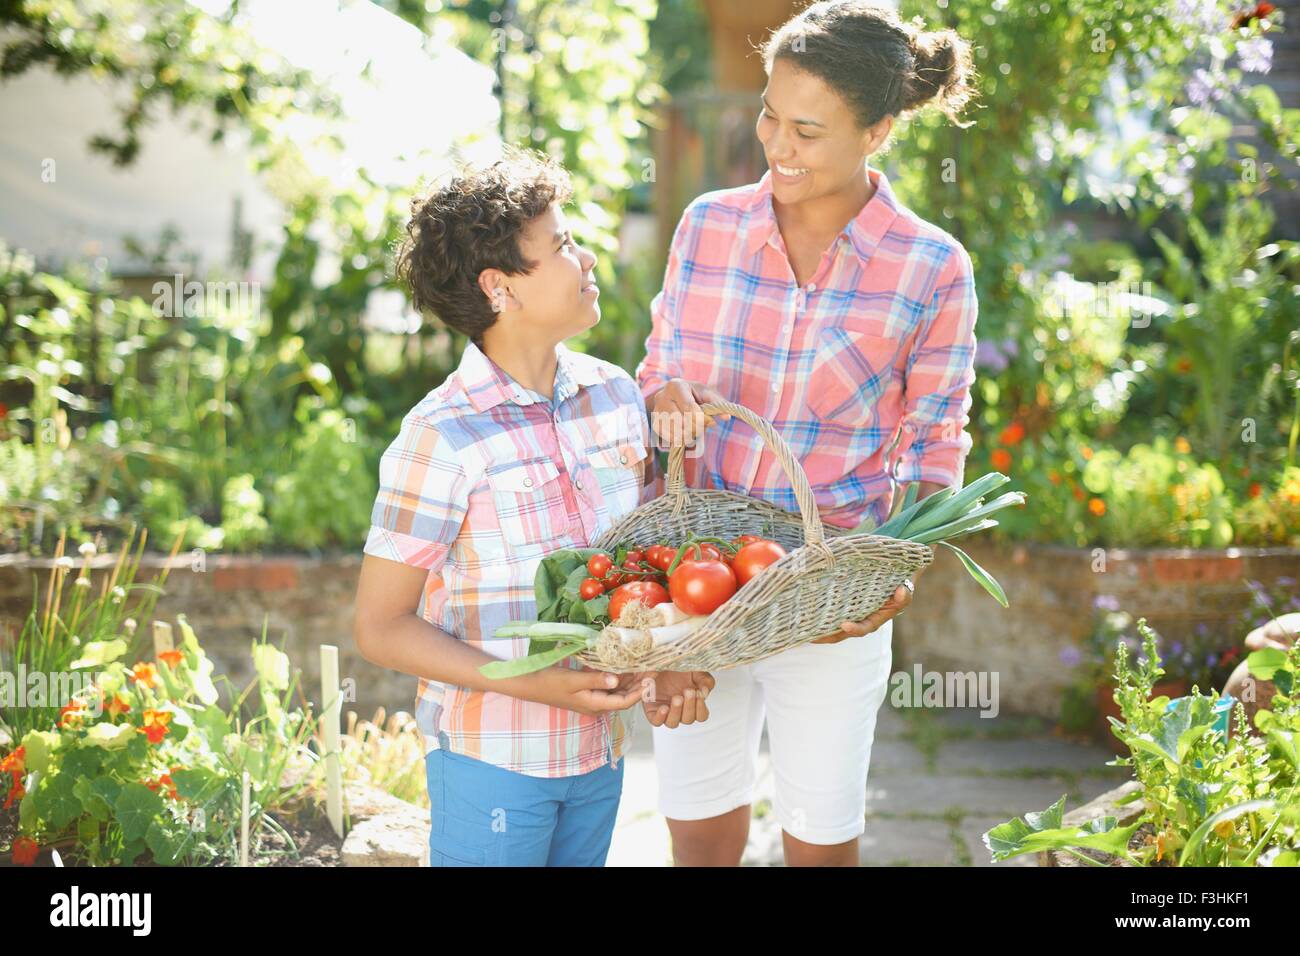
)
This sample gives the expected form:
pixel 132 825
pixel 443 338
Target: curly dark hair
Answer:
pixel 878 63
pixel 471 223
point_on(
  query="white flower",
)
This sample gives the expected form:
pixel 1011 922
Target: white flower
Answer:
pixel 88 549
pixel 1256 54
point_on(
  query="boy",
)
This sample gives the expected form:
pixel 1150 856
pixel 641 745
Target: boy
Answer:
pixel 526 448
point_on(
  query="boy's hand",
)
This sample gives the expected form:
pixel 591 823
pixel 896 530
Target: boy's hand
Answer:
pixel 586 692
pixel 672 698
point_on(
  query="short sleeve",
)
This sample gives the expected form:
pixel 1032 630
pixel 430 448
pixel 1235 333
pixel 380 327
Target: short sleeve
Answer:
pixel 422 501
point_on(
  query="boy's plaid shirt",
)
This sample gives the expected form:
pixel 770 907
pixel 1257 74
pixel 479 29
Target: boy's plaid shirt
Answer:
pixel 879 345
pixel 484 479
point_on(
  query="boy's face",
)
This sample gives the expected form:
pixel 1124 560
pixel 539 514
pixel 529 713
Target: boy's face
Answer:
pixel 558 299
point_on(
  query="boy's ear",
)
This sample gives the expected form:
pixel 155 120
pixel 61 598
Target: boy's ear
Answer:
pixel 493 283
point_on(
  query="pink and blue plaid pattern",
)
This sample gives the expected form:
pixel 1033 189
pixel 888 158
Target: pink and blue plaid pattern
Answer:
pixel 484 479
pixel 865 370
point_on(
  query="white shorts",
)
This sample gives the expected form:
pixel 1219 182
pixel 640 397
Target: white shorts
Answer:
pixel 820 701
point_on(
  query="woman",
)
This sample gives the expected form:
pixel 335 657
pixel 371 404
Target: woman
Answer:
pixel 816 299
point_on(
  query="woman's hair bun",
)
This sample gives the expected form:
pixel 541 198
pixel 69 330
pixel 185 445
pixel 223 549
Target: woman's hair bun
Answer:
pixel 942 75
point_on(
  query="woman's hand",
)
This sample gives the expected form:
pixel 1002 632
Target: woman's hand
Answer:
pixel 671 698
pixel 901 598
pixel 675 413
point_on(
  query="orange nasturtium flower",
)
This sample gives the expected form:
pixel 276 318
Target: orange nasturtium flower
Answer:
pixel 117 705
pixel 72 712
pixel 1054 476
pixel 1254 490
pixel 1097 507
pixel 1001 459
pixel 1086 452
pixel 1182 446
pixel 170 658
pixel 25 851
pixel 1078 493
pixel 1012 434
pixel 155 725
pixel 16 792
pixel 145 674
pixel 14 762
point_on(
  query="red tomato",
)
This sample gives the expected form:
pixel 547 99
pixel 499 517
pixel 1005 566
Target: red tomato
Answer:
pixel 647 592
pixel 598 565
pixel 754 557
pixel 636 557
pixel 590 588
pixel 663 557
pixel 700 587
pixel 708 552
pixel 745 539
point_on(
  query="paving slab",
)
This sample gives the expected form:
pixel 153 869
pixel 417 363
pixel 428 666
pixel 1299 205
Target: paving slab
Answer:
pixel 906 843
pixel 935 795
pixel 1024 754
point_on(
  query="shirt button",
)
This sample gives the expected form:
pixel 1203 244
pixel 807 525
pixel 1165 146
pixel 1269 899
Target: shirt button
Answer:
pixel 812 287
pixel 622 459
pixel 578 485
pixel 785 328
pixel 776 386
pixel 528 482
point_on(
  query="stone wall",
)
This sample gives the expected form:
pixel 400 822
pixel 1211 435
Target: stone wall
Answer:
pixel 953 624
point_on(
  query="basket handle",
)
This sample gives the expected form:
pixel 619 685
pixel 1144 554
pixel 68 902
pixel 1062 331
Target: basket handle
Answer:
pixel 676 484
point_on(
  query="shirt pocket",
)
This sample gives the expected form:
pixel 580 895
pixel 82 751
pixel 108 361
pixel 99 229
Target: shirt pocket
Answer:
pixel 620 470
pixel 530 502
pixel 851 372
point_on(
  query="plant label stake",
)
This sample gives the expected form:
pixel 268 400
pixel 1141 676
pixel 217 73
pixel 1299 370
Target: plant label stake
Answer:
pixel 162 638
pixel 331 705
pixel 243 825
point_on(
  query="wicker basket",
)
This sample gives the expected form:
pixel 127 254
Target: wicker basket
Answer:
pixel 829 574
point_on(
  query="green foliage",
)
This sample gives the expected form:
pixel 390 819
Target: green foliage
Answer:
pixel 145 759
pixel 325 498
pixel 1209 798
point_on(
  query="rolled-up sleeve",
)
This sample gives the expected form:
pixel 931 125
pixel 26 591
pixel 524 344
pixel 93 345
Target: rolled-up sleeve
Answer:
pixel 934 442
pixel 662 360
pixel 422 501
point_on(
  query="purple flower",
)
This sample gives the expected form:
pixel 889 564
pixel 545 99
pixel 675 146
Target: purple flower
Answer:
pixel 1294 602
pixel 1177 648
pixel 1286 582
pixel 1256 54
pixel 989 356
pixel 1203 87
pixel 1211 660
pixel 1106 602
pixel 1201 16
pixel 1070 655
pixel 1201 629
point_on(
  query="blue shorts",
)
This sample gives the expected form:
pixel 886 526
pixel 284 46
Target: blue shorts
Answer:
pixel 485 815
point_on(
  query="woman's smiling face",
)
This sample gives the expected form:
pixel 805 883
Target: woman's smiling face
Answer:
pixel 812 141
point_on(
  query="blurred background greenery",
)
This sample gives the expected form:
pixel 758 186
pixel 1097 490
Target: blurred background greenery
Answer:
pixel 1126 193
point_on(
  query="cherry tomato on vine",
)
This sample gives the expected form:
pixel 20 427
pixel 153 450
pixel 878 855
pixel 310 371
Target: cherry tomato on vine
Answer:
pixel 598 565
pixel 590 588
